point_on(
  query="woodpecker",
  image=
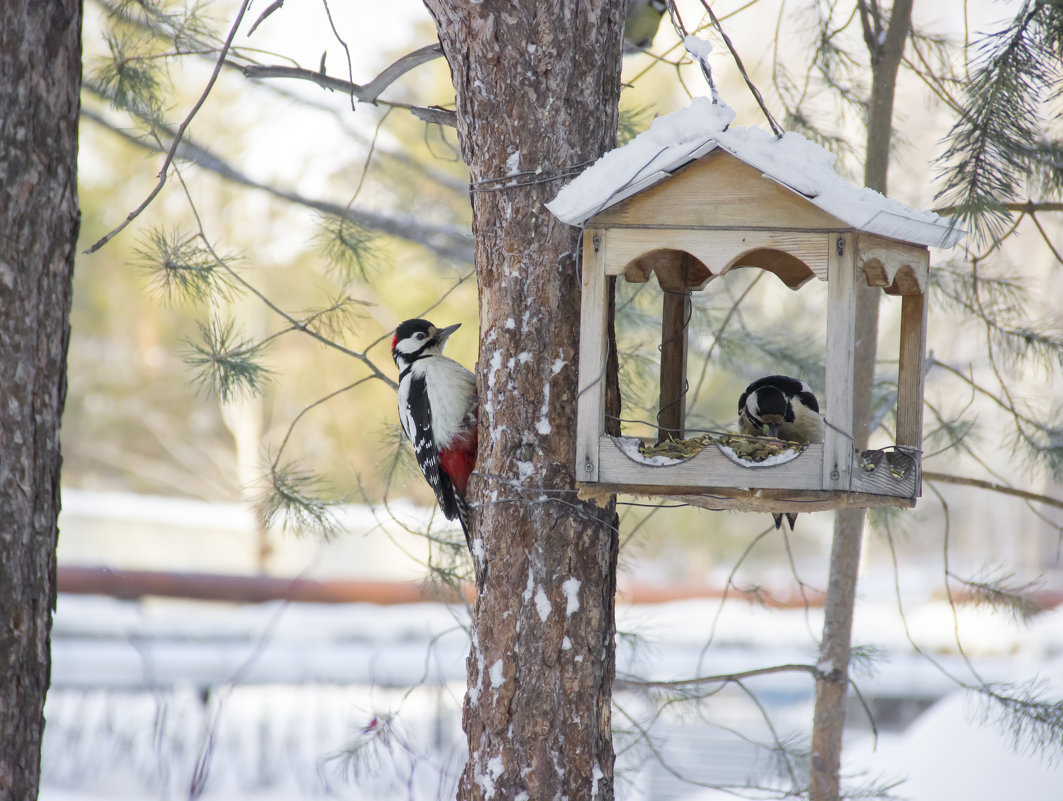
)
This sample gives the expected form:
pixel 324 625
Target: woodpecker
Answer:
pixel 641 21
pixel 438 412
pixel 782 407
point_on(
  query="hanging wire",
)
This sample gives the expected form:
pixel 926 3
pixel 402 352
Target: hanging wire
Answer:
pixel 775 127
pixel 703 61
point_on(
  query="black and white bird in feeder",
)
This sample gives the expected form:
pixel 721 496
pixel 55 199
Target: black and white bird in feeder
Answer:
pixel 687 201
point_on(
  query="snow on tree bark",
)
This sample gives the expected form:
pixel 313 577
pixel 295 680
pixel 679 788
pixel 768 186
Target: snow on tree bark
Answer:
pixel 537 87
pixel 40 81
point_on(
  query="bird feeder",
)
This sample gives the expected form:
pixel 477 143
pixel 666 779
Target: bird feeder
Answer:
pixel 686 202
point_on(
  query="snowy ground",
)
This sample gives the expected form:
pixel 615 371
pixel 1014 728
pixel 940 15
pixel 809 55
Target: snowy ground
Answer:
pixel 165 700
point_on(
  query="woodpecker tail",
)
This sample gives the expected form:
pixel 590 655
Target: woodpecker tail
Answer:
pixel 463 518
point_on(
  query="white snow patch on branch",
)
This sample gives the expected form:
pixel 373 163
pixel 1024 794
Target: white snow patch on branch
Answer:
pixel 698 48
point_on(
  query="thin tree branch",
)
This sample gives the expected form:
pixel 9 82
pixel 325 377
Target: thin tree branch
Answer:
pixel 723 678
pixel 1003 489
pixel 366 93
pixel 448 242
pixel 1029 207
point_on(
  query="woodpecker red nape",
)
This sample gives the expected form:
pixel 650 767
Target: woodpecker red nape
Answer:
pixel 438 413
pixel 787 408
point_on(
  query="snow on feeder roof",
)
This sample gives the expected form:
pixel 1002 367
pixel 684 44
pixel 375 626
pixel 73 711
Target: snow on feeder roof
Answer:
pixel 677 139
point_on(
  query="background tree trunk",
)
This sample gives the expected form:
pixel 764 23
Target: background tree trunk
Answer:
pixel 537 88
pixel 40 82
pixel 831 689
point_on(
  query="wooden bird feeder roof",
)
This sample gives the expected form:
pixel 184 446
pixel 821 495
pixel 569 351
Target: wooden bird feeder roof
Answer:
pixel 693 198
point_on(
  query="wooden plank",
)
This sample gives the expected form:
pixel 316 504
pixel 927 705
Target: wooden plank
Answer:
pixel 898 267
pixel 719 189
pixel 717 250
pixel 838 407
pixel 675 319
pixel 708 470
pixel 910 377
pixel 822 501
pixel 881 481
pixel 757 500
pixel 590 405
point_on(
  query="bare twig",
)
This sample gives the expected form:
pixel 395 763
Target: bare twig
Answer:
pixel 723 678
pixel 1003 489
pixel 1029 207
pixel 274 6
pixel 449 242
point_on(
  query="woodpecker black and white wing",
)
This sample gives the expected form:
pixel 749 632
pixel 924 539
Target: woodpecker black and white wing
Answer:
pixel 415 414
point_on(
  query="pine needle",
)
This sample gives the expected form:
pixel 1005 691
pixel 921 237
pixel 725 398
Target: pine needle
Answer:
pixel 226 363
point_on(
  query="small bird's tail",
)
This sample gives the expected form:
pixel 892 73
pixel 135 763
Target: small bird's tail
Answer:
pixel 791 518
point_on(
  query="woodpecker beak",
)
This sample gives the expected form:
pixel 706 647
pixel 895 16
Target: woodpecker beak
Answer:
pixel 772 429
pixel 443 333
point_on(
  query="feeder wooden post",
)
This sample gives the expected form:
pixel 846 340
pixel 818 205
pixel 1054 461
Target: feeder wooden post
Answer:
pixel 910 376
pixel 841 336
pixel 671 417
pixel 590 404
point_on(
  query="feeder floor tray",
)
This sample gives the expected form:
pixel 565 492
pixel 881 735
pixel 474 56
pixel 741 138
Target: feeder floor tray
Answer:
pixel 786 478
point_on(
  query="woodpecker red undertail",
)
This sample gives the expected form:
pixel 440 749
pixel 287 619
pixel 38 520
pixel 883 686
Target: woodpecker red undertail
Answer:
pixel 437 409
pixel 782 407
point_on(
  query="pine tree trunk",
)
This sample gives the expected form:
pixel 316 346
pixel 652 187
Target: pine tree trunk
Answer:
pixel 832 688
pixel 40 81
pixel 537 86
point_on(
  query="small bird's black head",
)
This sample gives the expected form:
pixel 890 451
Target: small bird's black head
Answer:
pixel 417 338
pixel 769 406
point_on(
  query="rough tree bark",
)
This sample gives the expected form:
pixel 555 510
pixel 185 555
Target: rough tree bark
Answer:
pixel 537 87
pixel 831 689
pixel 40 82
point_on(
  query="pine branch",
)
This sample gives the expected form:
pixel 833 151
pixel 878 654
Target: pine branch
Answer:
pixel 991 151
pixel 225 362
pixel 1035 725
pixel 1002 592
pixel 181 269
pixel 348 246
pixel 295 501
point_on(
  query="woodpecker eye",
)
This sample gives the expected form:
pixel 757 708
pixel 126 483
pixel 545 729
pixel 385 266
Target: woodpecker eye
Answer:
pixel 419 335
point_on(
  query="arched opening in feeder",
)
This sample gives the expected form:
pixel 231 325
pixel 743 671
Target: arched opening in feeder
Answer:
pixel 687 291
pixel 785 266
